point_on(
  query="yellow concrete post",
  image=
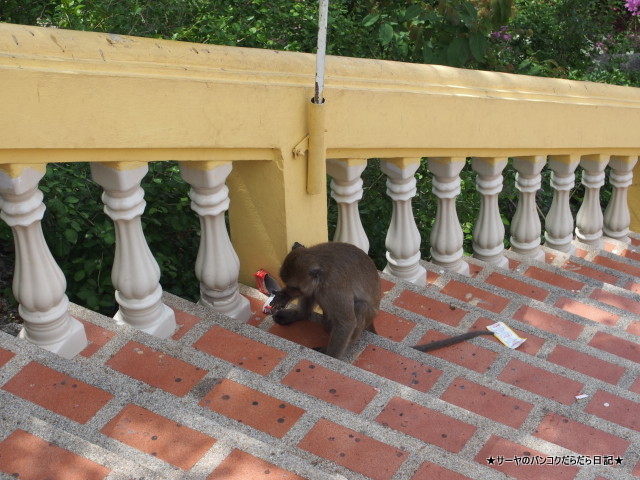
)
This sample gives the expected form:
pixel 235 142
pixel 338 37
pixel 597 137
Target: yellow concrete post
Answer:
pixel 270 210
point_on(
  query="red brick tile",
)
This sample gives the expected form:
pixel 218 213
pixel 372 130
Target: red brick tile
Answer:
pixel 474 270
pixel 587 311
pixel 581 253
pixel 392 327
pixel 617 301
pixel 531 346
pixel 28 457
pixel 578 437
pixel 432 277
pixel 464 353
pixel 250 407
pixel 583 363
pixel 185 322
pixel 257 316
pixel 549 257
pixel 239 350
pixel 541 382
pixel 156 368
pixel 158 436
pixel 615 409
pixel 305 332
pixel 608 246
pixel 330 386
pixel 502 453
pixel 550 323
pixel 635 388
pixel 631 254
pixel 353 450
pixel 635 241
pixel 616 345
pixel 431 471
pixel 589 272
pixel 553 279
pixel 512 264
pixel 633 287
pixel 615 265
pixel 486 402
pixel 636 471
pixel 516 286
pixel 475 296
pixel 430 308
pixel 58 392
pixel 240 465
pixel 425 424
pixel 96 336
pixel 386 286
pixel 398 368
pixel 634 328
pixel 5 356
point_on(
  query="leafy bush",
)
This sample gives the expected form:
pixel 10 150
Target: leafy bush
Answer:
pixel 560 38
pixel 81 236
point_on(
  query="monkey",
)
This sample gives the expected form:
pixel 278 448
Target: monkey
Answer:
pixel 343 281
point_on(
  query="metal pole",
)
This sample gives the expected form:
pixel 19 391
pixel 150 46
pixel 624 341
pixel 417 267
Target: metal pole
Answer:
pixel 321 52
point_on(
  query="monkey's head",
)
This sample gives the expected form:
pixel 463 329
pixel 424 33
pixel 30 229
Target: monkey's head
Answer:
pixel 300 272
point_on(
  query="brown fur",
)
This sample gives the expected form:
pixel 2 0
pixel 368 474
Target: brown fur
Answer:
pixel 344 282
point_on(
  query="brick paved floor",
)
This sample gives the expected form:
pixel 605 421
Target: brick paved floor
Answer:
pixel 220 400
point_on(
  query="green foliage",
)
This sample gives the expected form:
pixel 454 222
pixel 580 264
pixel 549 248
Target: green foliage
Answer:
pixel 578 39
pixel 82 238
pixel 446 32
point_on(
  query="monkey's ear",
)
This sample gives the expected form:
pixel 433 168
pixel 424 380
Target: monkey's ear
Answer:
pixel 297 245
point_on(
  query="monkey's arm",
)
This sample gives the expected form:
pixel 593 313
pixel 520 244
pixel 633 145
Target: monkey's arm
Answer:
pixel 428 347
pixel 281 299
pixel 290 315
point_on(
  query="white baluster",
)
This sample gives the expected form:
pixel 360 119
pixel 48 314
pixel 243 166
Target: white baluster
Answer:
pixel 559 220
pixel 217 265
pixel 446 235
pixel 135 274
pixel 38 283
pixel 488 232
pixel 525 225
pixel 403 238
pixel 616 216
pixel 346 190
pixel 589 220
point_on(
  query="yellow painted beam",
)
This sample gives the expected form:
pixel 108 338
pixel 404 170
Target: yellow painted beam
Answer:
pixel 96 94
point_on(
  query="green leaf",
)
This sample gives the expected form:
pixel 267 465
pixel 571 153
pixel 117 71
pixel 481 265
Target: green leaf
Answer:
pixel 412 12
pixel 478 46
pixel 457 52
pixel 71 236
pixel 370 19
pixel 385 34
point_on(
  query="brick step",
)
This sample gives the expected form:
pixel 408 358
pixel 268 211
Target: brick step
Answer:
pixel 248 399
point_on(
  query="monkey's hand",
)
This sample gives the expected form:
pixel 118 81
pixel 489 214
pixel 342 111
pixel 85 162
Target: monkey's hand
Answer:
pixel 280 300
pixel 285 317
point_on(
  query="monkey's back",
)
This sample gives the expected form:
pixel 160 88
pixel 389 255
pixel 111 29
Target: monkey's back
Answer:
pixel 350 269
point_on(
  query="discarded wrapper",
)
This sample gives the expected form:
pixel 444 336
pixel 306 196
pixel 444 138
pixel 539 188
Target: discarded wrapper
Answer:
pixel 266 283
pixel 507 336
pixel 268 286
pixel 267 307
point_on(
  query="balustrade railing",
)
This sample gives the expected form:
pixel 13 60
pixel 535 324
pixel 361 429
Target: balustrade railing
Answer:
pixel 446 237
pixel 235 119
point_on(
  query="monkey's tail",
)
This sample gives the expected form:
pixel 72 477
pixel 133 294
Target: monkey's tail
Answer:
pixel 427 347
